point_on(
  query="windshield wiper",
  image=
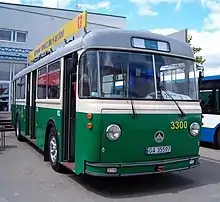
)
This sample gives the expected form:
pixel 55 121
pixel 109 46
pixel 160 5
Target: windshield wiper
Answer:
pixel 133 110
pixel 182 112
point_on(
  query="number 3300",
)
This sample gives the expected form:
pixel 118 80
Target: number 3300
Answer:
pixel 176 125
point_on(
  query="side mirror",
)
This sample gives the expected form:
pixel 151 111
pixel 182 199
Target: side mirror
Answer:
pixel 75 58
pixel 201 74
pixel 200 68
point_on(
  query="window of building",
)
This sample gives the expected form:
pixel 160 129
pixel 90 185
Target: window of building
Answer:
pixel 17 68
pixel 20 37
pixel 42 81
pixel 4 71
pixel 54 80
pixel 13 36
pixel 5 35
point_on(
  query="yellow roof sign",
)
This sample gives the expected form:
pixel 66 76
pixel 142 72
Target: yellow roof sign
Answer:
pixel 64 32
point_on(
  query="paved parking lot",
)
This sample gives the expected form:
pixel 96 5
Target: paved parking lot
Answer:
pixel 24 177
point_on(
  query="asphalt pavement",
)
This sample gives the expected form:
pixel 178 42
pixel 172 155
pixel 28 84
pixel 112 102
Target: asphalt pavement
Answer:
pixel 25 177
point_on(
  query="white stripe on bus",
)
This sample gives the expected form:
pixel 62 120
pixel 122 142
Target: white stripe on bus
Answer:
pixel 141 107
pixel 124 106
pixel 210 120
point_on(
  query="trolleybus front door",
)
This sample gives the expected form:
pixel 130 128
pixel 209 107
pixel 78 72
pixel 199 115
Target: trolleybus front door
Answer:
pixel 28 100
pixel 33 105
pixel 69 107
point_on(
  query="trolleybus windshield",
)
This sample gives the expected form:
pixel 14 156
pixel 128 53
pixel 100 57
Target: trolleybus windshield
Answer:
pixel 132 75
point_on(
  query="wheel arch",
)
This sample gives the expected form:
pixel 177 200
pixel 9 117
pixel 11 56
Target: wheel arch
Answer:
pixel 17 116
pixel 14 118
pixel 50 124
pixel 217 129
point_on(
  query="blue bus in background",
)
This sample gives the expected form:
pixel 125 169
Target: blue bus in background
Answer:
pixel 209 93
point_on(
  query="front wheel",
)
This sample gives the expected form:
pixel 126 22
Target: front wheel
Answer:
pixel 53 150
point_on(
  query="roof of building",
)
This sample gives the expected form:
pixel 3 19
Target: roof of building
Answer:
pixel 60 9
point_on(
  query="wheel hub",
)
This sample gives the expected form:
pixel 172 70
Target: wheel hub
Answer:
pixel 53 149
pixel 17 129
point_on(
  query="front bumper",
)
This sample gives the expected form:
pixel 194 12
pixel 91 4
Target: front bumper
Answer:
pixel 141 168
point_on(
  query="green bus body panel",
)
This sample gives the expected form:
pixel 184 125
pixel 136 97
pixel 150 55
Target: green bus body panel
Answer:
pixel 138 133
pixel 43 115
pixel 92 145
pixel 21 110
pixel 88 141
pixel 133 169
pixel 13 114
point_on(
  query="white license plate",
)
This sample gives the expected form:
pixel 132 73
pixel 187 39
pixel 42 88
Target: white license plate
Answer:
pixel 158 150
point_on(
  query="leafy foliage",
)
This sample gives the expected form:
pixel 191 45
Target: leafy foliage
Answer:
pixel 199 59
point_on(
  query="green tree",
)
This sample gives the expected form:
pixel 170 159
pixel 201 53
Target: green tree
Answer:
pixel 200 60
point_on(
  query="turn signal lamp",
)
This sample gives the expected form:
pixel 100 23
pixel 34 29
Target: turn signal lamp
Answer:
pixel 89 116
pixel 89 125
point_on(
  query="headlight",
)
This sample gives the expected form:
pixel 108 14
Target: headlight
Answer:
pixel 194 129
pixel 113 132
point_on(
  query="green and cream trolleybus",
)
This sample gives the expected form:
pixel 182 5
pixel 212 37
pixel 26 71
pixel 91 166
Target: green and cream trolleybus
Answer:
pixel 112 103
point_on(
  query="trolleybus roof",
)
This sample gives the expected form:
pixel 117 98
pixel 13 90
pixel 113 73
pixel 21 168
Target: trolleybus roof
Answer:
pixel 111 38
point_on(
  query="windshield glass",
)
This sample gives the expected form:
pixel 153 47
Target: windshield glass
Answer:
pixel 126 75
pixel 177 76
pixel 130 75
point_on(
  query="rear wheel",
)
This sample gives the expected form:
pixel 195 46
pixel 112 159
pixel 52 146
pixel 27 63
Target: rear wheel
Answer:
pixel 18 131
pixel 53 149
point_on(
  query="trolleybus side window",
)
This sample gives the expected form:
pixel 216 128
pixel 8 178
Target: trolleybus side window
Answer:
pixel 208 101
pixel 23 83
pixel 54 80
pixel 88 75
pixel 13 92
pixel 210 97
pixel 42 81
pixel 20 88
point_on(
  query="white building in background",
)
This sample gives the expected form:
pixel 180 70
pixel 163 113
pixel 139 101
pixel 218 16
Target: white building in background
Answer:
pixel 22 27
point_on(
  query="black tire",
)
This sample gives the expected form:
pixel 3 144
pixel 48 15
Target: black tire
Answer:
pixel 20 138
pixel 53 150
pixel 217 139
